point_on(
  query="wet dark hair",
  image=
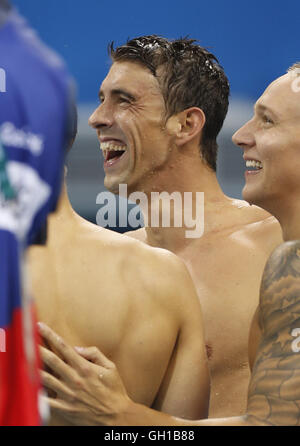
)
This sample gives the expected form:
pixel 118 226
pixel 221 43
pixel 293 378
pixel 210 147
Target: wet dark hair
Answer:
pixel 189 76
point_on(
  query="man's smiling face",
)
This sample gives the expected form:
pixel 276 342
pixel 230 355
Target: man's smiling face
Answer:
pixel 130 123
pixel 271 144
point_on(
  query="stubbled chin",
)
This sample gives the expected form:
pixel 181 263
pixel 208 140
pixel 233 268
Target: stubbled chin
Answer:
pixel 112 182
pixel 112 185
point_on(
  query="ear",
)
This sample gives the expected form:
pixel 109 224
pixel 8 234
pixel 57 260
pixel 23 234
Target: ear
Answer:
pixel 187 125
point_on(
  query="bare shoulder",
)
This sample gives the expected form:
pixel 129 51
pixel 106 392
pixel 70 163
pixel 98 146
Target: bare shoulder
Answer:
pixel 150 264
pixel 266 232
pixel 257 226
pixel 165 274
pixel 165 267
pixel 261 219
pixel 253 214
pixel 138 234
pixel 90 234
pixel 280 285
pixel 283 262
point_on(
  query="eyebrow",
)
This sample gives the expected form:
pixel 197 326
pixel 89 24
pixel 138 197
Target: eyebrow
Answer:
pixel 263 108
pixel 118 92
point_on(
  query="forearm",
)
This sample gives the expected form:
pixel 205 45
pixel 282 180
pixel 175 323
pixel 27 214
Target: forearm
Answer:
pixel 102 399
pixel 139 415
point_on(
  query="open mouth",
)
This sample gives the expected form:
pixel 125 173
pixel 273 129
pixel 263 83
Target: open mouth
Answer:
pixel 253 165
pixel 112 152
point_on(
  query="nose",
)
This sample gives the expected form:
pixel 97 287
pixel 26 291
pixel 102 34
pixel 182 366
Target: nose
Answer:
pixel 101 117
pixel 244 137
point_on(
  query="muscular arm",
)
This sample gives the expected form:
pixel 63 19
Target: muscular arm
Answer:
pixel 175 319
pixel 274 390
pixel 186 386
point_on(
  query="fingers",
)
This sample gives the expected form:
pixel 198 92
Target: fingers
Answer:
pixel 52 383
pixel 69 412
pixel 59 346
pixel 58 366
pixel 94 355
pixel 84 361
pixel 60 407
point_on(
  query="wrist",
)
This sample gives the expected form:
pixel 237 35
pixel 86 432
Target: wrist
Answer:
pixel 123 416
pixel 128 416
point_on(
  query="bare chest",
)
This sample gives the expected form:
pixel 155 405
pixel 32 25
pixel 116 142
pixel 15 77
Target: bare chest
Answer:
pixel 227 278
pixel 227 318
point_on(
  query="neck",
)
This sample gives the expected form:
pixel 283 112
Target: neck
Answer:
pixel 62 217
pixel 186 180
pixel 289 222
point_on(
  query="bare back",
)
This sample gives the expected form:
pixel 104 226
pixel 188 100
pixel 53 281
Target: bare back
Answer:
pixel 97 288
pixel 226 265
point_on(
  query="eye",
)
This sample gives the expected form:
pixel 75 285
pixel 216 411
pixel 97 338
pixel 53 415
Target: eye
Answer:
pixel 267 119
pixel 124 99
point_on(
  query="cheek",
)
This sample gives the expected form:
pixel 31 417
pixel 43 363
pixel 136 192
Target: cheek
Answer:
pixel 151 137
pixel 269 149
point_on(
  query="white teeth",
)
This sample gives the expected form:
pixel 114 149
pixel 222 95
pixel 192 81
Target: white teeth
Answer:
pixel 253 163
pixel 105 146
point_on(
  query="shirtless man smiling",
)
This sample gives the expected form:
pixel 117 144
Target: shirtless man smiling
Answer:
pixel 162 106
pixel 272 139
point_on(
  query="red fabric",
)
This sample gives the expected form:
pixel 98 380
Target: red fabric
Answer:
pixel 19 377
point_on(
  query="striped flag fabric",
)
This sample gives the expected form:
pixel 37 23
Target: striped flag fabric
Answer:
pixel 19 379
pixel 35 113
